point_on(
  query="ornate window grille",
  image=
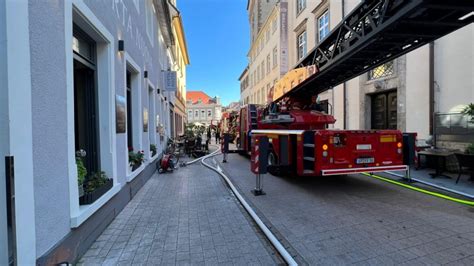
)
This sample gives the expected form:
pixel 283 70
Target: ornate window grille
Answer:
pixel 382 71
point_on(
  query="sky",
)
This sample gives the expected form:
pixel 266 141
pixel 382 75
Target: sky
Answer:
pixel 217 35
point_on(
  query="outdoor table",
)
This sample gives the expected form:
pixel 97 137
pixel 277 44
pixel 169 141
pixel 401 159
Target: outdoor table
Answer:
pixel 440 156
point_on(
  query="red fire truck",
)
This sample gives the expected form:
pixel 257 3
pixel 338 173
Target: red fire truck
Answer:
pixel 300 142
pixel 373 33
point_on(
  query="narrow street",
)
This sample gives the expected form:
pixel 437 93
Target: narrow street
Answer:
pixel 186 217
pixel 366 106
pixel 338 220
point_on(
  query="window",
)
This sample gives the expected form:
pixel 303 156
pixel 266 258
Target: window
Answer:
pixel 382 71
pixel 209 113
pixel 262 97
pixel 300 6
pixel 258 74
pixel 262 69
pixel 151 115
pixel 129 110
pixel 196 114
pixel 268 63
pixel 275 57
pixel 301 45
pixel 268 35
pixel 203 114
pixel 323 26
pixel 150 20
pixel 86 129
pixel 190 114
pixel 268 90
pixel 274 25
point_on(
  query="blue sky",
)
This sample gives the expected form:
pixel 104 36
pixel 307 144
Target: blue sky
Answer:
pixel 217 35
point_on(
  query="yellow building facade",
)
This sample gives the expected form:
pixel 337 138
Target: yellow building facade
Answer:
pixel 181 56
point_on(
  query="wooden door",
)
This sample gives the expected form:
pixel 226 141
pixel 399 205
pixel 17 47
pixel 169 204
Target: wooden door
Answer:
pixel 384 110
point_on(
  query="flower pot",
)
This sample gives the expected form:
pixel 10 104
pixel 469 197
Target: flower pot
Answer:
pixel 135 167
pixel 90 197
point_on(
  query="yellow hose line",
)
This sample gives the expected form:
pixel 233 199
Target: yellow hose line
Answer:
pixel 439 195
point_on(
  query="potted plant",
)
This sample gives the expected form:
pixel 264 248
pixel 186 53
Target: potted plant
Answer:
pixel 469 111
pixel 81 171
pixel 153 149
pixel 95 186
pixel 135 159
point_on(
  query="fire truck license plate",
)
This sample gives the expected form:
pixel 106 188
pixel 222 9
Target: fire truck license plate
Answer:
pixel 364 160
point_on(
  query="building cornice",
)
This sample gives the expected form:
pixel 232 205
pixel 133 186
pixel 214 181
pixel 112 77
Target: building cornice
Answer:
pixel 178 25
pixel 243 72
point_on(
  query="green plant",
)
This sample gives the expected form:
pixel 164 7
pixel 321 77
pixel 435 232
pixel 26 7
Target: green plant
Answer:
pixel 136 158
pixel 470 149
pixel 469 111
pixel 81 171
pixel 95 181
pixel 153 149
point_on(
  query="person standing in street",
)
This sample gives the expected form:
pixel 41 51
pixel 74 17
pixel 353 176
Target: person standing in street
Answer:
pixel 208 134
pixel 218 135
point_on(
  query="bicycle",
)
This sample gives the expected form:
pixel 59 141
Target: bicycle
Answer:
pixel 170 159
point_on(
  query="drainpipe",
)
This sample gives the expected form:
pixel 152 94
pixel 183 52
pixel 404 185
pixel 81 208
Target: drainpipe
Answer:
pixel 431 88
pixel 344 92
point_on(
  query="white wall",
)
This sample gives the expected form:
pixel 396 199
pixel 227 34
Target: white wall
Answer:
pixel 353 111
pixel 4 139
pixel 417 92
pixel 18 85
pixel 454 68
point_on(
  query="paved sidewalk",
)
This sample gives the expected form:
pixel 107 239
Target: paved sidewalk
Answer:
pixel 186 217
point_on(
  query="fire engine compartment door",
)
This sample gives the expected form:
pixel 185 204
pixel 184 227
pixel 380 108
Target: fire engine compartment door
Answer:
pixel 354 148
pixel 284 150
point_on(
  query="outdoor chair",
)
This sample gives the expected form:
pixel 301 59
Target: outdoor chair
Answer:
pixel 466 165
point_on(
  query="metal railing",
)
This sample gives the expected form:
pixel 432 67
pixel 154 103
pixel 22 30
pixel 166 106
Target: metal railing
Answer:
pixel 453 124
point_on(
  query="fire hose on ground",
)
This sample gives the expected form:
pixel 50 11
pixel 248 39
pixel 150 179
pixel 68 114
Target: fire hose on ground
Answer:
pixel 278 246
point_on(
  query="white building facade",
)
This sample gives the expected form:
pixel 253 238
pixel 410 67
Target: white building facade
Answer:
pixel 205 113
pixel 76 75
pixel 268 53
pixel 413 93
pixel 395 95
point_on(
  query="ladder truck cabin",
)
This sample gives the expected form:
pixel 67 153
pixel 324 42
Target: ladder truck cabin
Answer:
pixel 296 123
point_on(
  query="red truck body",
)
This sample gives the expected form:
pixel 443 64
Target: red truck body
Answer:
pixel 296 124
pixel 306 148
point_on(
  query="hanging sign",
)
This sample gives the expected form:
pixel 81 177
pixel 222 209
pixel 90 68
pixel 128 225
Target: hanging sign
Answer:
pixel 170 80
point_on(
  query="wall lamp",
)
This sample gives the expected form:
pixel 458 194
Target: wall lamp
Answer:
pixel 121 46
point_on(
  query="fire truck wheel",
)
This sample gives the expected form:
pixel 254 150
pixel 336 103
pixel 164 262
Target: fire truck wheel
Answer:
pixel 271 159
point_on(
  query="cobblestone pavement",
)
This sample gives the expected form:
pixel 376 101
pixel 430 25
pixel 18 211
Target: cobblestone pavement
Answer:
pixel 359 220
pixel 187 217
